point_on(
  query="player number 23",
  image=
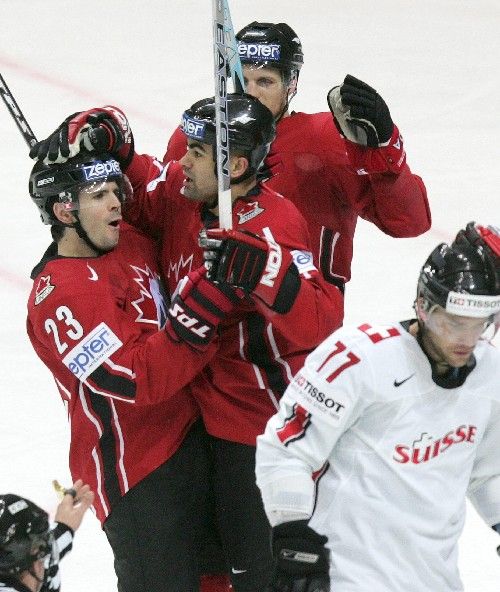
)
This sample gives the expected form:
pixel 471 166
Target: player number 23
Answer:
pixel 75 332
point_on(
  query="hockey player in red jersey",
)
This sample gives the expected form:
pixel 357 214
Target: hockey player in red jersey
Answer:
pixel 287 306
pixel 98 321
pixel 334 169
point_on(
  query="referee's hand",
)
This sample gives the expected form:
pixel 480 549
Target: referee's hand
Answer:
pixel 76 501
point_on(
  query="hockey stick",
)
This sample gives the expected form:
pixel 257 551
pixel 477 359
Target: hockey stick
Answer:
pixel 232 52
pixel 221 120
pixel 226 61
pixel 16 113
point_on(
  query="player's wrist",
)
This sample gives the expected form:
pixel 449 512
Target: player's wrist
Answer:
pixel 390 158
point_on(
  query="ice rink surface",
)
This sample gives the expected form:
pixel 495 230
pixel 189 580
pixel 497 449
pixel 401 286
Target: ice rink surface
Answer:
pixel 436 64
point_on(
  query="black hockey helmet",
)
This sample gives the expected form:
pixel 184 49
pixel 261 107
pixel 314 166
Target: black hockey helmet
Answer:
pixel 25 534
pixel 275 45
pixel 251 127
pixel 464 277
pixel 62 183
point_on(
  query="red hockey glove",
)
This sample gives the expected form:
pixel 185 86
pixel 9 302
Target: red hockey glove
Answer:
pixel 103 129
pixel 198 306
pixel 301 560
pixel 258 266
pixel 360 113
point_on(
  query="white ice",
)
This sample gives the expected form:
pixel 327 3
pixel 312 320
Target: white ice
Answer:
pixel 436 63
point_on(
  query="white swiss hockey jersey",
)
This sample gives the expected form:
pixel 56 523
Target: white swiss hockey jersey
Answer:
pixel 382 458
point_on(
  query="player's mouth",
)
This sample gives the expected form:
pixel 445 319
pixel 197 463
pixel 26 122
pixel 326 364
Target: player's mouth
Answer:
pixel 463 352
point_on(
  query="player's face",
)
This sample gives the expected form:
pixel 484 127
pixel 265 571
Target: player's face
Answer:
pixel 200 182
pixel 100 214
pixel 451 339
pixel 266 84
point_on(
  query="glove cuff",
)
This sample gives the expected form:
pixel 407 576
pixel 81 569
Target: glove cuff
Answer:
pixel 280 272
pixel 390 158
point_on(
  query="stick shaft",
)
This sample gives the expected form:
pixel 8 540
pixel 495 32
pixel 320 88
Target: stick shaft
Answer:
pixel 16 113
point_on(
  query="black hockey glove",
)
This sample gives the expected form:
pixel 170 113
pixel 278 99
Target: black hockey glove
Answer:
pixel 258 266
pixel 360 113
pixel 301 560
pixel 103 129
pixel 198 306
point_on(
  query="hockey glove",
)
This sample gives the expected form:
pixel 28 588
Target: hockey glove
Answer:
pixel 301 560
pixel 360 113
pixel 258 266
pixel 103 129
pixel 198 306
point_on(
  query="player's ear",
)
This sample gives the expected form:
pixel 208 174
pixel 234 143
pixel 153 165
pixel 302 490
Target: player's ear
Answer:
pixel 62 214
pixel 421 309
pixel 239 165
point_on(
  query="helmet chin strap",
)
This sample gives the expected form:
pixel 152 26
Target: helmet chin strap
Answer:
pixel 82 233
pixel 289 96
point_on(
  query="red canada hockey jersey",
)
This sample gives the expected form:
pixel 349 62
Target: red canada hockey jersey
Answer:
pixel 310 165
pixel 259 350
pixel 94 323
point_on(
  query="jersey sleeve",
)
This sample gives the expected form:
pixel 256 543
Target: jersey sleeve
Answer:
pixel 394 199
pixel 319 305
pixel 103 348
pixel 176 147
pixel 484 487
pixel 319 405
pixel 149 208
pixel 63 543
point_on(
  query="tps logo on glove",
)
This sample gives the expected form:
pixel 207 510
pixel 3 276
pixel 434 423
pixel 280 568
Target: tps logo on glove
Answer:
pixel 191 323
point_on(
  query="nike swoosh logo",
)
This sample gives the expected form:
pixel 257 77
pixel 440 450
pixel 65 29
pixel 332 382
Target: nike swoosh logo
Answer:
pixel 238 571
pixel 400 382
pixel 93 275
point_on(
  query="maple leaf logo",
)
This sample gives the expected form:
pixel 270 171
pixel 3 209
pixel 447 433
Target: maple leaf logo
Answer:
pixel 181 265
pixel 150 289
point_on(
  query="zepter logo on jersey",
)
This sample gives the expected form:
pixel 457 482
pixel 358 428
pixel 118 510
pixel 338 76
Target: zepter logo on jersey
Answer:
pixel 94 349
pixel 312 398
